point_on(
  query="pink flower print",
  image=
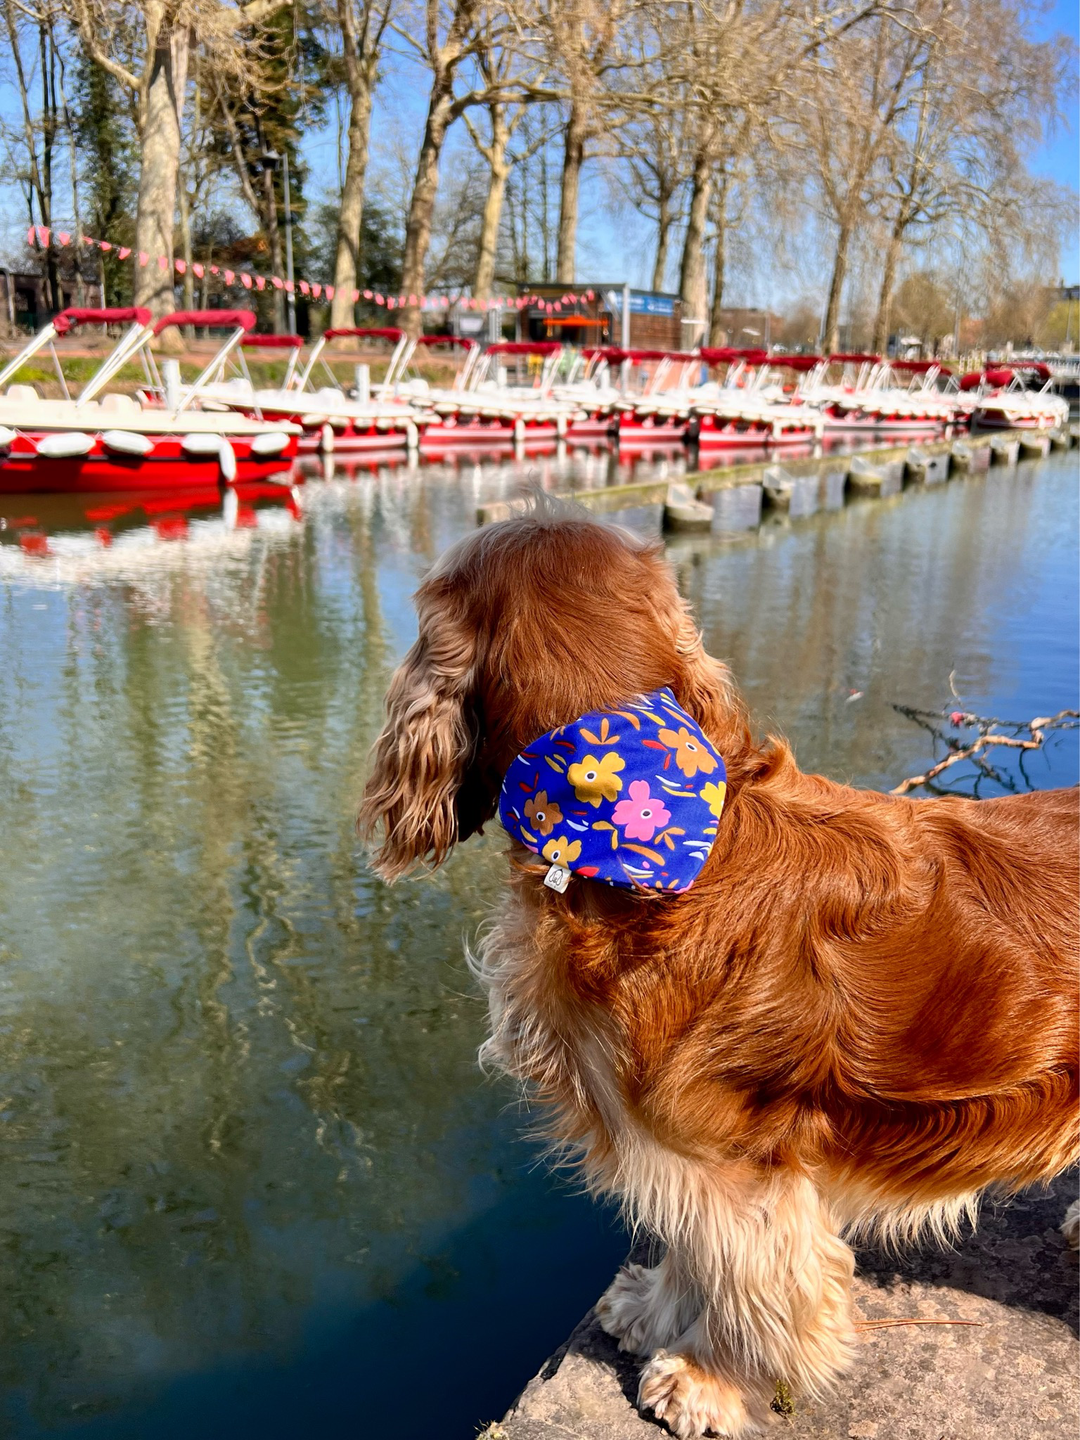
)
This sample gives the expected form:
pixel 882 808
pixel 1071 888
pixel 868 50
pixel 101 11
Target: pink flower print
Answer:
pixel 642 814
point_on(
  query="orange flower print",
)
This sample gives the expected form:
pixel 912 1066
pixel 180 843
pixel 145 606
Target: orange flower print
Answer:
pixel 595 780
pixel 690 755
pixel 543 814
pixel 561 851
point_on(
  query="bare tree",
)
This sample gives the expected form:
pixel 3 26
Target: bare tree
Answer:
pixel 41 123
pixel 362 27
pixel 586 42
pixel 448 36
pixel 857 90
pixel 982 96
pixel 146 45
pixel 501 53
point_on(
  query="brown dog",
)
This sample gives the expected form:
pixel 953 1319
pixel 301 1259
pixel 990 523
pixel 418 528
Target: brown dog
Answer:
pixel 862 1013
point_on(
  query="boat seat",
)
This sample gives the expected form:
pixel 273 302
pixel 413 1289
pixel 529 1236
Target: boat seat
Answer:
pixel 22 392
pixel 117 404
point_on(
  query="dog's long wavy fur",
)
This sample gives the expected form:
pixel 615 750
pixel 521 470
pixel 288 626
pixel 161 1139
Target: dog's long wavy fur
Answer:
pixel 861 1016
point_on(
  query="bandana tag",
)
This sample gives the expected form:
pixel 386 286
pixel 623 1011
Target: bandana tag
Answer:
pixel 557 879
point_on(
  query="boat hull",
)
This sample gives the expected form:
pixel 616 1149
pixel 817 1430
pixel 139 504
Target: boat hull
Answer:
pixel 997 420
pixel 23 471
pixel 448 434
pixel 884 425
pixel 645 432
pixel 752 437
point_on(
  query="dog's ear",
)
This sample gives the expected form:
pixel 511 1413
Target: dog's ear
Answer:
pixel 703 686
pixel 421 760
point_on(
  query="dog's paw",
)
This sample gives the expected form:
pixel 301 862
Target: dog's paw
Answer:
pixel 1070 1226
pixel 629 1310
pixel 692 1402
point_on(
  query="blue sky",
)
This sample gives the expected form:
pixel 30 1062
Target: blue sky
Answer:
pixel 615 242
pixel 1059 159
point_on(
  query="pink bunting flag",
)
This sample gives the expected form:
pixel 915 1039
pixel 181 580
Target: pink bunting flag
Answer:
pixel 163 263
pixel 43 234
pixel 355 296
pixel 181 266
pixel 316 290
pixel 379 299
pixel 277 282
pixel 30 236
pixel 329 292
pixel 123 252
pixel 104 245
pixel 144 258
pixel 305 288
pixel 89 240
pixel 390 302
pixel 589 295
pixel 63 237
pixel 260 282
pixel 200 270
pixel 290 288
pixel 245 280
pixel 214 270
pixel 229 277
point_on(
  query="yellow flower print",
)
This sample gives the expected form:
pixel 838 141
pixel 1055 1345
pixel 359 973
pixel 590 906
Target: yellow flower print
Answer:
pixel 543 814
pixel 595 780
pixel 690 754
pixel 713 795
pixel 561 851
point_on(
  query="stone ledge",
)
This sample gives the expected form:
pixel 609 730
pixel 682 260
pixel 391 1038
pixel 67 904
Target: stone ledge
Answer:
pixel 1014 1376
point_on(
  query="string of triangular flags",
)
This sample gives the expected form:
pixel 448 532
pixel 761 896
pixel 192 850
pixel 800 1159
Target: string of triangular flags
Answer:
pixel 41 236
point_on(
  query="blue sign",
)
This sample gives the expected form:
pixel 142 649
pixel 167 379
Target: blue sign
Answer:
pixel 647 302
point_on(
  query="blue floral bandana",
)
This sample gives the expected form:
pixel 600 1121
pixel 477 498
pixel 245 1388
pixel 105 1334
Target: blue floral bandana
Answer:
pixel 632 797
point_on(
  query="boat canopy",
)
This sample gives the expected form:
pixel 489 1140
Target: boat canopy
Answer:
pixel 525 347
pixel 999 375
pixel 212 319
pixel 919 367
pixel 728 354
pixel 68 319
pixel 462 340
pixel 386 332
pixel 797 362
pixel 615 355
pixel 272 342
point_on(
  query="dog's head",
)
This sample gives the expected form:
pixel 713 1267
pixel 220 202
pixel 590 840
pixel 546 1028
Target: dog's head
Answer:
pixel 524 626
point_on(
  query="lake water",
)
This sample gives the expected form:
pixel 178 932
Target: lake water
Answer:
pixel 251 1182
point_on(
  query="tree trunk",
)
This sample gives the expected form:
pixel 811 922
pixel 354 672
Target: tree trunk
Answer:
pixel 663 233
pixel 573 159
pixel 888 279
pixel 831 328
pixel 347 260
pixel 692 268
pixel 422 201
pixel 160 110
pixel 493 204
pixel 185 246
pixel 717 334
pixel 273 239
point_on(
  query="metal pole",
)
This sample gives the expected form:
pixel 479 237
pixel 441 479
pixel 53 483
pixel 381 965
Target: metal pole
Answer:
pixel 626 317
pixel 290 293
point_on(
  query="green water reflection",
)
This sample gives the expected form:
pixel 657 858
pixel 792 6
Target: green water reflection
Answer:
pixel 251 1179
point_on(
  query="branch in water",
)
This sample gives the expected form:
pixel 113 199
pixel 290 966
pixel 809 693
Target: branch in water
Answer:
pixel 990 731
